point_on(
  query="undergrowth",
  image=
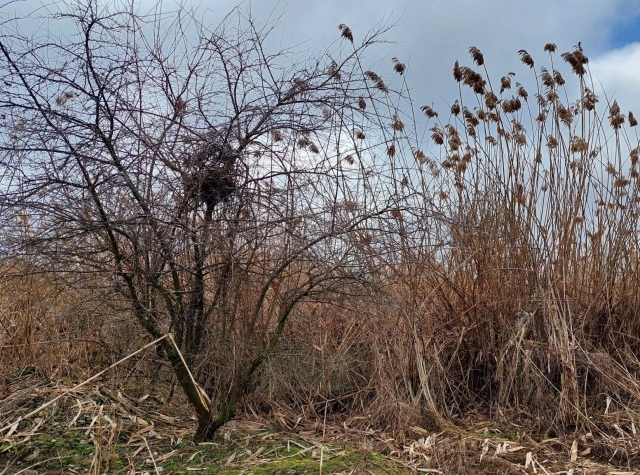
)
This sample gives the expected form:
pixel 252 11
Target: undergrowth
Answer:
pixel 518 304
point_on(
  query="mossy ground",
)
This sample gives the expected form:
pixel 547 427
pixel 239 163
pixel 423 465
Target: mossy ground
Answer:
pixel 243 453
pixel 102 431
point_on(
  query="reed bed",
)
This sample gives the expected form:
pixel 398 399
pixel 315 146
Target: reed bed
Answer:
pixel 518 305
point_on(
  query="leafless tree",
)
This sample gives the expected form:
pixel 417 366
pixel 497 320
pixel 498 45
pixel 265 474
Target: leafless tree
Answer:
pixel 213 183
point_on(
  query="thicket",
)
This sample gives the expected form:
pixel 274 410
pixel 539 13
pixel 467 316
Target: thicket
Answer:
pixel 356 271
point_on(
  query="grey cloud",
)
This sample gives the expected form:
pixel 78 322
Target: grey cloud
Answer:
pixel 429 35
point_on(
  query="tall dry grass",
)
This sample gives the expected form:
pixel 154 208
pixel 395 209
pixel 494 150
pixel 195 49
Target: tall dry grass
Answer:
pixel 521 303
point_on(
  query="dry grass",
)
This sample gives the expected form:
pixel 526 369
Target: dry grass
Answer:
pixel 520 308
pixel 524 304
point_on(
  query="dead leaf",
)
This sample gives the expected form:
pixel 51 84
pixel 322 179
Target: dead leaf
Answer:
pixel 230 459
pixel 485 448
pixel 515 449
pixel 527 461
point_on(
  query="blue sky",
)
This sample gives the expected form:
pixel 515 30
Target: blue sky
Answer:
pixel 626 31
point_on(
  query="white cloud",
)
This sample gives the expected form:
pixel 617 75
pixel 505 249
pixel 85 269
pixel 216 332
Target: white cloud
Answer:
pixel 431 34
pixel 616 73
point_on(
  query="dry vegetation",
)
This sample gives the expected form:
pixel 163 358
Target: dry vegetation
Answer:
pixel 493 325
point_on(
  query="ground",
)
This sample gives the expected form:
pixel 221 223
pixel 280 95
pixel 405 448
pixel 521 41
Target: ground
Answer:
pixel 100 430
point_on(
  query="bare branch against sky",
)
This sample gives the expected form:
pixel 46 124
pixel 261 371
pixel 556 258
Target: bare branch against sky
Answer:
pixel 431 34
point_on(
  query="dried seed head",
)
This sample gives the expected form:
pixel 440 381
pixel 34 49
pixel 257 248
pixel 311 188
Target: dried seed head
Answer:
pixel 381 85
pixel 491 100
pixel 437 136
pixel 505 83
pixel 565 114
pixel 478 87
pixel 589 100
pixel 621 182
pixel 550 47
pixel 180 106
pixel 360 135
pixel 362 104
pixel 557 77
pixel 542 102
pixel 546 78
pixel 300 85
pixel 615 117
pixel 522 92
pixel 377 80
pixel 471 131
pixel 313 148
pixel 391 150
pixel 471 119
pixel 398 66
pixel 503 133
pixel 482 115
pixel 62 99
pixel 578 144
pixel 577 60
pixel 511 105
pixel 345 32
pixel 455 108
pixel 552 142
pixel 454 142
pixel 526 58
pixel 397 125
pixel 372 75
pixel 420 156
pixel 632 120
pixel 396 213
pixel 304 142
pixel 457 72
pixel 476 55
pixel 429 112
pixel 473 79
pixel 349 159
pixel 333 71
pixel 276 135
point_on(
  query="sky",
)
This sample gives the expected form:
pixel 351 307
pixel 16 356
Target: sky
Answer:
pixel 430 35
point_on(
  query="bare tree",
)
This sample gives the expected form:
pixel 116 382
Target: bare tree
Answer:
pixel 211 183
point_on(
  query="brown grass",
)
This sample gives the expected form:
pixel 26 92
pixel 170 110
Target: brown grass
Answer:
pixel 520 307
